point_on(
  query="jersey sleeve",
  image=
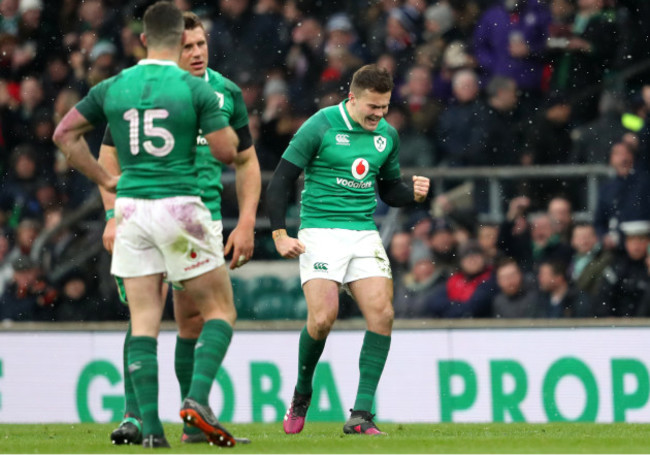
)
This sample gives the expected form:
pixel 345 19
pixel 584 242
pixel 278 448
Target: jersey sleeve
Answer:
pixel 390 169
pixel 92 105
pixel 307 140
pixel 239 116
pixel 108 138
pixel 211 117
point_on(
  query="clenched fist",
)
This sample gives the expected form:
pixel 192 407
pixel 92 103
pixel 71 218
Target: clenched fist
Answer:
pixel 420 188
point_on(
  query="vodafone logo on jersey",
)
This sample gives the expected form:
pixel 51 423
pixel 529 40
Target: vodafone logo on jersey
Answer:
pixel 360 168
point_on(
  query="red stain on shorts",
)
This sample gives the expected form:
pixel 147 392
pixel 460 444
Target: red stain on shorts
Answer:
pixel 186 215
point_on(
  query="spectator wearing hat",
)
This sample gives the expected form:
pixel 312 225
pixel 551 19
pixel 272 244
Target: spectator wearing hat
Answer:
pixel 35 33
pixel 402 34
pixel 438 32
pixel 469 291
pixel 623 197
pixel 75 302
pixel 439 24
pixel 626 281
pixel 443 245
pixel 517 296
pixel 103 62
pixel 559 298
pixel 18 196
pixel 28 297
pixel 341 34
pixel 276 127
pixel 413 289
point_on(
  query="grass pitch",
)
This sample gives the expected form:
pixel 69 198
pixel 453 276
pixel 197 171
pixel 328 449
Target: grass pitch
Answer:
pixel 329 438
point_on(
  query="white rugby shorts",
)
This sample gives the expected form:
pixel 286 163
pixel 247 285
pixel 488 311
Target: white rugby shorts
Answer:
pixel 173 235
pixel 342 255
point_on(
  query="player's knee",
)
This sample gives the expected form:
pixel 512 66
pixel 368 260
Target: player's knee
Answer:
pixel 322 323
pixel 190 327
pixel 381 320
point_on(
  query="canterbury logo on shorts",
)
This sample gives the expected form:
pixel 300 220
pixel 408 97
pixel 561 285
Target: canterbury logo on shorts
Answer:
pixel 322 266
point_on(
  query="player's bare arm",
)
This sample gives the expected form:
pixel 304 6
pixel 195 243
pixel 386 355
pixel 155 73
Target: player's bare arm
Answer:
pixel 68 136
pixel 248 182
pixel 223 144
pixel 108 159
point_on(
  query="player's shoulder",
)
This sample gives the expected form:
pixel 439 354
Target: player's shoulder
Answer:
pixel 320 120
pixel 231 87
pixel 386 129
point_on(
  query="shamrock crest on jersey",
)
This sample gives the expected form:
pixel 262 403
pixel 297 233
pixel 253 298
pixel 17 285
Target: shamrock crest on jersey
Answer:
pixel 380 143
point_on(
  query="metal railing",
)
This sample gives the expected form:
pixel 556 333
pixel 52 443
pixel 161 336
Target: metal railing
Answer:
pixel 495 175
pixel 438 175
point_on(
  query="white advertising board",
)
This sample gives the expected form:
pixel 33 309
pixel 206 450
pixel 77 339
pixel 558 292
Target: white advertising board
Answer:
pixel 446 375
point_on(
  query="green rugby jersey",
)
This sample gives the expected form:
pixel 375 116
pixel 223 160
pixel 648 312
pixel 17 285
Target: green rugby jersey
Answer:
pixel 232 105
pixel 155 110
pixel 341 162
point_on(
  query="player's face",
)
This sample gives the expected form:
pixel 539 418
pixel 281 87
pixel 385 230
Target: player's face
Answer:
pixel 194 56
pixel 368 108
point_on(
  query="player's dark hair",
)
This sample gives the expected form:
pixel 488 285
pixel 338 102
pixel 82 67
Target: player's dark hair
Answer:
pixel 373 78
pixel 192 21
pixel 163 25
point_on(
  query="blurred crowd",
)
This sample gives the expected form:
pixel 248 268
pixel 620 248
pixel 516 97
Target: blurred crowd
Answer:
pixel 478 83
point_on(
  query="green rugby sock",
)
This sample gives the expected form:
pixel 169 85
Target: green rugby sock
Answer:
pixel 184 363
pixel 183 366
pixel 210 350
pixel 309 352
pixel 374 353
pixel 143 365
pixel 130 400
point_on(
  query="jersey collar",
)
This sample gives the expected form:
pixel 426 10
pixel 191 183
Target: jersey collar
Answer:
pixel 345 115
pixel 206 77
pixel 154 61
